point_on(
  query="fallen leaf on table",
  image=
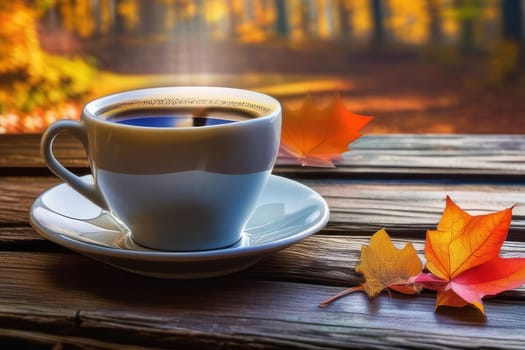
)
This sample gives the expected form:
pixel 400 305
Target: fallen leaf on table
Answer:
pixel 315 137
pixel 463 258
pixel 385 267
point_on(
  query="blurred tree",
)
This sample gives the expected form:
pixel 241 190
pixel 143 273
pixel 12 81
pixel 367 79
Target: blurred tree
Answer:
pixel 148 18
pixel 436 31
pixel 20 53
pixel 119 10
pixel 407 21
pixel 282 18
pixel 512 11
pixel 344 19
pixel 199 25
pixel 30 78
pixel 232 19
pixel 325 25
pixel 377 19
pixel 468 11
pixel 306 18
pixel 506 58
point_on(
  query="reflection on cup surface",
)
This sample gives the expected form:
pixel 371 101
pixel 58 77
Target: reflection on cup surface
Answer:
pixel 207 210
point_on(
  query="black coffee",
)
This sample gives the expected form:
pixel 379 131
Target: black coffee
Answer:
pixel 177 118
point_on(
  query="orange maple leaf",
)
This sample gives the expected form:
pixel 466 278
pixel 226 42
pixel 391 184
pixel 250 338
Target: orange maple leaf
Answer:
pixel 463 258
pixel 385 267
pixel 316 136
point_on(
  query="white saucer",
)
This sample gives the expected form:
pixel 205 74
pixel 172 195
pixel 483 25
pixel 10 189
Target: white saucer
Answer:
pixel 286 213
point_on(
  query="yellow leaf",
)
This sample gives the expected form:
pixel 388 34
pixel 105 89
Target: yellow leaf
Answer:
pixel 385 266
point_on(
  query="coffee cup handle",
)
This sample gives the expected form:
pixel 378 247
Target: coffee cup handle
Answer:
pixel 76 129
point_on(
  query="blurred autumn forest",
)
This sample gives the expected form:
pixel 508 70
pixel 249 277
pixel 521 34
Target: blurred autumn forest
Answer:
pixel 419 66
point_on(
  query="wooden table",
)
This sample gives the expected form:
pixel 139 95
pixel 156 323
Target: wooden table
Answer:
pixel 51 297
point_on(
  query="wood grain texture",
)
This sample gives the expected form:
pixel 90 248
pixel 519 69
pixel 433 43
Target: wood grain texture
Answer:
pixel 22 152
pixel 77 301
pixel 319 259
pixel 53 298
pixel 16 196
pixel 356 206
pixel 411 207
pixel 429 156
pixel 472 157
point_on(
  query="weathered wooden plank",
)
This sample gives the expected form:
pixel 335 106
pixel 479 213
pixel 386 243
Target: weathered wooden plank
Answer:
pixel 356 207
pixel 114 330
pixel 412 207
pixel 23 152
pixel 435 156
pixel 481 144
pixel 472 156
pixel 16 196
pixel 328 260
pixel 21 339
pixel 63 298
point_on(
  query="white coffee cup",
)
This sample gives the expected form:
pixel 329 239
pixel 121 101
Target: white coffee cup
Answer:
pixel 177 188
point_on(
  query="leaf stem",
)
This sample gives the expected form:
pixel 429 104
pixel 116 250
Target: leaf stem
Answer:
pixel 341 294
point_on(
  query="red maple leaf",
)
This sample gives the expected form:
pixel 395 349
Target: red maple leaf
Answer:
pixel 316 136
pixel 463 258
